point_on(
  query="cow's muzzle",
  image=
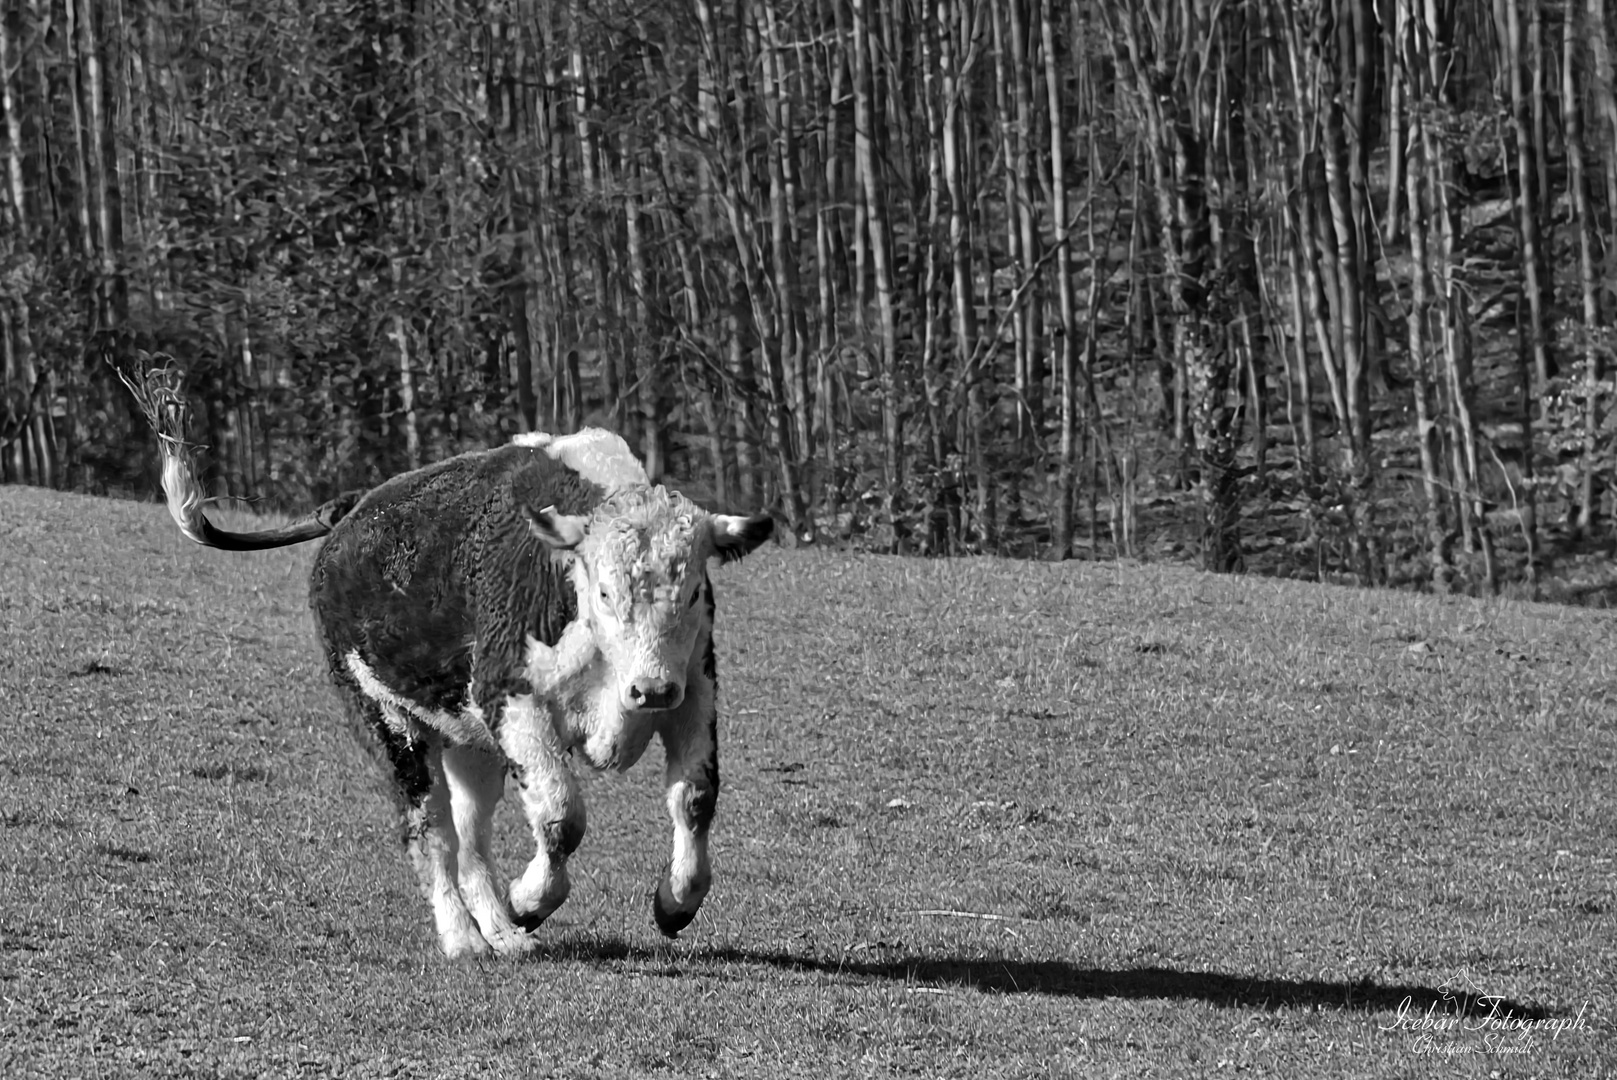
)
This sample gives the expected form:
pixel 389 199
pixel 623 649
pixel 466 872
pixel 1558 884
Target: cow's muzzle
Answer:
pixel 655 694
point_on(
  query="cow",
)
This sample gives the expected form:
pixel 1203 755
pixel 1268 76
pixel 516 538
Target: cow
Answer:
pixel 502 613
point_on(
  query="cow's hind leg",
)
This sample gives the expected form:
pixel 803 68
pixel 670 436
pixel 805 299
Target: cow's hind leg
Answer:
pixel 693 795
pixel 476 783
pixel 434 849
pixel 553 805
pixel 416 754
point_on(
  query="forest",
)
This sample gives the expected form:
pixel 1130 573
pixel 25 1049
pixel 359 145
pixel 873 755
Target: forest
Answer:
pixel 1320 288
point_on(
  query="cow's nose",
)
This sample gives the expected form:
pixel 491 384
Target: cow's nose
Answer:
pixel 654 694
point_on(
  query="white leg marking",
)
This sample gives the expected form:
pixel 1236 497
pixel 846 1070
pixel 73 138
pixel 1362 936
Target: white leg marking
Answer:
pixel 551 801
pixel 689 871
pixel 692 793
pixel 433 848
pixel 476 782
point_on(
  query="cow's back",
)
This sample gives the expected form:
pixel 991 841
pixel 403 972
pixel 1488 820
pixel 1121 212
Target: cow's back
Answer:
pixel 438 567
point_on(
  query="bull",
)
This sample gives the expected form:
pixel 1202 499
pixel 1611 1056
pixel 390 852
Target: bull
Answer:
pixel 505 612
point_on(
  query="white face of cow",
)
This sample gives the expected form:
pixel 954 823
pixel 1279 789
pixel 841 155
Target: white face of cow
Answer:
pixel 639 566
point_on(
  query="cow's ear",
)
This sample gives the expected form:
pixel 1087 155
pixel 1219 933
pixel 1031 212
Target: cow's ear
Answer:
pixel 560 532
pixel 735 536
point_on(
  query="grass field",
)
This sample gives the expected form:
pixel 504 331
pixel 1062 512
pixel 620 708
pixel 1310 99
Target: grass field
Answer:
pixel 979 819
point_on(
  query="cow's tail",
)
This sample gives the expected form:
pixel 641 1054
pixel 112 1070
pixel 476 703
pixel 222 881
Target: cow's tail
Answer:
pixel 158 388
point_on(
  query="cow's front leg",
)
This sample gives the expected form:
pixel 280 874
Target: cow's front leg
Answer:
pixel 553 805
pixel 693 795
pixel 476 781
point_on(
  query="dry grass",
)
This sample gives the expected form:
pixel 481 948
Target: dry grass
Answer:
pixel 980 818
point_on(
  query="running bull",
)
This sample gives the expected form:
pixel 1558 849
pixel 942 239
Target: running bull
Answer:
pixel 499 613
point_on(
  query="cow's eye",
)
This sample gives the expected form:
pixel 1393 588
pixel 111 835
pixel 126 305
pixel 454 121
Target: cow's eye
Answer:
pixel 606 597
pixel 696 594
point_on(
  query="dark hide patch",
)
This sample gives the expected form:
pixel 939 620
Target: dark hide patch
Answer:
pixel 563 837
pixel 409 760
pixel 710 662
pixel 756 529
pixel 517 585
pixel 412 778
pixel 436 580
pixel 702 798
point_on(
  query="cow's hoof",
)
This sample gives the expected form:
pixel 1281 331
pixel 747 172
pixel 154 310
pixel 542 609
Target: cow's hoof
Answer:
pixel 458 933
pixel 670 918
pixel 530 921
pixel 459 945
pixel 512 942
pixel 534 896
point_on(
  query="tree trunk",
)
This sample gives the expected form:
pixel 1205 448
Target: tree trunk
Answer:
pixel 952 14
pixel 1527 152
pixel 1197 299
pixel 1427 430
pixel 774 302
pixel 1534 351
pixel 1347 208
pixel 865 48
pixel 1061 512
pixel 1584 514
pixel 1031 370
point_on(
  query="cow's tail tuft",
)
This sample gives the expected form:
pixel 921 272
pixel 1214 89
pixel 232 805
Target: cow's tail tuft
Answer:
pixel 158 386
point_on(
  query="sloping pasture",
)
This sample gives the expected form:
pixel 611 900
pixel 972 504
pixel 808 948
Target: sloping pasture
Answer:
pixel 979 819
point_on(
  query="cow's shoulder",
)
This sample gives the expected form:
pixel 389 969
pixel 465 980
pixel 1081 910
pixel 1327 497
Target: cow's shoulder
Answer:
pixel 530 479
pixel 519 589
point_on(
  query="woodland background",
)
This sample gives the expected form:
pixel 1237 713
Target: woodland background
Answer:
pixel 1320 288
